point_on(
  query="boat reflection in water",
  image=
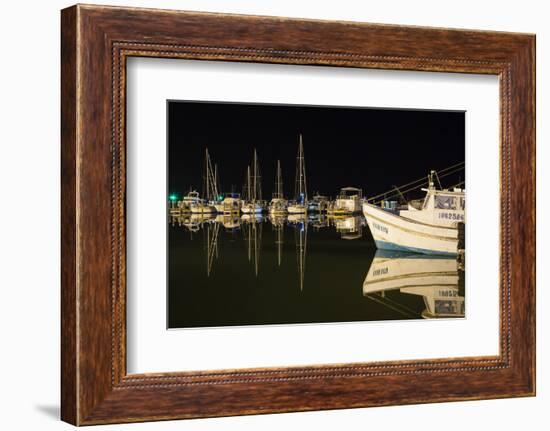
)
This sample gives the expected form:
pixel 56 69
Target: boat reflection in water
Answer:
pixel 251 226
pixel 437 279
pixel 192 222
pixel 350 227
pixel 252 269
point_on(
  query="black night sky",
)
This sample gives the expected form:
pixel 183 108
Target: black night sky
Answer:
pixel 373 149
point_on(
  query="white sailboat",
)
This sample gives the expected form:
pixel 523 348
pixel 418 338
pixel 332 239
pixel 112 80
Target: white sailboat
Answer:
pixel 217 200
pixel 278 204
pixel 299 206
pixel 431 227
pixel 206 205
pixel 253 189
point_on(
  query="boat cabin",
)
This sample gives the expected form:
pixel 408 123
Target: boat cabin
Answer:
pixel 440 207
pixel 348 200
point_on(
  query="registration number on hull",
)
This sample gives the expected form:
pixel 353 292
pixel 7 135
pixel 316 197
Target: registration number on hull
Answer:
pixel 452 216
pixel 380 227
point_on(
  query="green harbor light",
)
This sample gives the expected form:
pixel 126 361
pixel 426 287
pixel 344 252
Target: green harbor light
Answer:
pixel 173 197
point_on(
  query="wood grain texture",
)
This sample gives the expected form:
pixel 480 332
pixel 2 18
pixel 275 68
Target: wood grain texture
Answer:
pixel 69 398
pixel 96 41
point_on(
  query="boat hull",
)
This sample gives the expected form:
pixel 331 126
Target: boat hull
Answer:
pixel 203 209
pixel 251 209
pixel 278 206
pixel 405 271
pixel 297 209
pixel 347 206
pixel 393 232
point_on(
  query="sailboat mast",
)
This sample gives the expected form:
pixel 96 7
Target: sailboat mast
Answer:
pixel 254 177
pixel 207 176
pixel 211 178
pixel 304 191
pixel 258 181
pixel 216 190
pixel 279 182
pixel 301 186
pixel 248 180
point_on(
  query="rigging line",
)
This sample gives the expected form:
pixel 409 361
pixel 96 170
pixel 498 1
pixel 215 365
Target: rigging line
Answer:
pixel 393 195
pixel 441 173
pixel 458 184
pixel 386 196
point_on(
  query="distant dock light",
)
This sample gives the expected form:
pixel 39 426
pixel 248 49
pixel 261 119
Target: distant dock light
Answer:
pixel 173 197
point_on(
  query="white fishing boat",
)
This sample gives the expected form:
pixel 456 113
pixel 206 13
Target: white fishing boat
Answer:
pixel 434 278
pixel 348 201
pixel 253 189
pixel 428 227
pixel 300 204
pixel 278 204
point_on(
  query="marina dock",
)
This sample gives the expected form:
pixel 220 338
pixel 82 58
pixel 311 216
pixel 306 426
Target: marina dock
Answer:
pixel 427 226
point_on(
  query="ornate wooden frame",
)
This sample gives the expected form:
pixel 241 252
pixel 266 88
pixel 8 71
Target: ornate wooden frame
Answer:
pixel 95 43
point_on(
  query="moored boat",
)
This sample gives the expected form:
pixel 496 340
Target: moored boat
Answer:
pixel 184 205
pixel 231 203
pixel 318 204
pixel 348 201
pixel 300 203
pixel 253 190
pixel 278 204
pixel 428 228
pixel 202 207
pixel 210 190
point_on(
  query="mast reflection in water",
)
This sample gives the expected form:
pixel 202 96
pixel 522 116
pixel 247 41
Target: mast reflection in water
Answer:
pixel 231 270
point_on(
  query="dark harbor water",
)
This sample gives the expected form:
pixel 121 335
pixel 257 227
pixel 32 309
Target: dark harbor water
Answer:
pixel 235 271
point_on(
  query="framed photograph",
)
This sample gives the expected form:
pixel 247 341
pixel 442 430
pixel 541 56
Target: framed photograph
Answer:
pixel 264 214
